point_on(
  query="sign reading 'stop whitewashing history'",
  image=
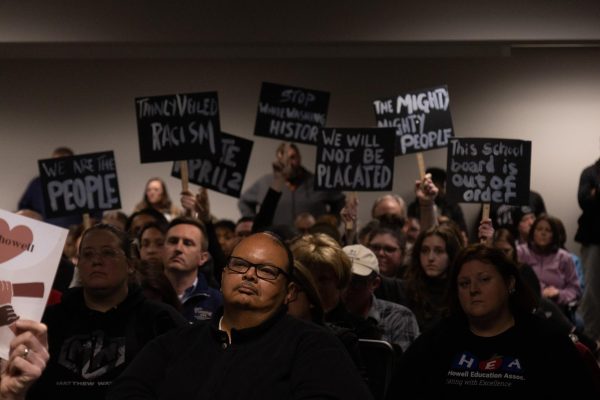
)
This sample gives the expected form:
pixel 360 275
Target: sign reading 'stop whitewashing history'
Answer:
pixel 489 171
pixel 422 119
pixel 290 113
pixel 178 127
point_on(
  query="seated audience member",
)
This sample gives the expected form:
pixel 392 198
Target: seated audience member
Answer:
pixel 275 356
pixel 243 227
pixel 116 218
pixel 397 323
pixel 303 222
pixel 332 270
pixel 389 245
pixel 295 195
pixel 157 197
pixel 426 278
pixel 26 361
pixel 141 218
pixel 185 253
pixel 98 328
pixel 151 244
pixel 389 204
pixel 225 231
pixel 304 302
pixel 491 346
pixel 553 266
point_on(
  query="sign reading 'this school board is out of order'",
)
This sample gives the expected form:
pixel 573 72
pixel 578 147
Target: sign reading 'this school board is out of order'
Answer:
pixel 178 127
pixel 488 171
pixel 422 119
pixel 290 113
pixel 358 159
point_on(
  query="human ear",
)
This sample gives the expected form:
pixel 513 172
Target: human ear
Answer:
pixel 292 293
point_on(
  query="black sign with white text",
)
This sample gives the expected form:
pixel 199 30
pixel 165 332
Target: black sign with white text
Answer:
pixel 488 171
pixel 178 127
pixel 422 119
pixel 291 114
pixel 225 176
pixel 80 184
pixel 355 159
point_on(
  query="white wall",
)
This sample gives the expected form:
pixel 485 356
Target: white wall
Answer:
pixel 548 96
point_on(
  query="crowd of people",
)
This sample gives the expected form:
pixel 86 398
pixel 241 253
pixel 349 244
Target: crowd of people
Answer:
pixel 171 301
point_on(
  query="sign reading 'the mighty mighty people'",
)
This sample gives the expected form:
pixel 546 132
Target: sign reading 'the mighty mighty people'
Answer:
pixel 422 119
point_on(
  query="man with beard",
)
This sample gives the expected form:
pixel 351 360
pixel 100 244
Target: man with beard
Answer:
pixel 251 349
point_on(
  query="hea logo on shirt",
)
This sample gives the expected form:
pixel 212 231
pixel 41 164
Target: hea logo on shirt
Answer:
pixel 497 363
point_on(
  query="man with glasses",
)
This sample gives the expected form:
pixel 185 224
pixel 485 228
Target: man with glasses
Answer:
pixel 185 253
pixel 253 349
pixel 398 323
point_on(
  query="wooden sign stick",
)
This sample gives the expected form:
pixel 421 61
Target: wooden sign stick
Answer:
pixel 421 164
pixel 486 211
pixel 87 223
pixel 351 200
pixel 183 165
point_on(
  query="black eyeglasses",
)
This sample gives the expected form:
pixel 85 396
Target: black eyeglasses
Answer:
pixel 376 248
pixel 263 271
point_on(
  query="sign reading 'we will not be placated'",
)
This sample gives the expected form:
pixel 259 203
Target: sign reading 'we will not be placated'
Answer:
pixel 80 184
pixel 489 171
pixel 355 159
pixel 178 127
pixel 290 113
pixel 422 119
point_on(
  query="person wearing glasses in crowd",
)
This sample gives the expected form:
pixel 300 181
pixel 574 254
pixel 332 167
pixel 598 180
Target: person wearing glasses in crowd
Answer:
pixel 186 251
pixel 97 329
pixel 253 349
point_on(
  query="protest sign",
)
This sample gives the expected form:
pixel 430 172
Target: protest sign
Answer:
pixel 30 251
pixel 291 114
pixel 80 184
pixel 178 127
pixel 488 171
pixel 355 159
pixel 225 175
pixel 422 119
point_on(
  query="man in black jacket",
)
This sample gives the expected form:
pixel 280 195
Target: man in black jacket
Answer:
pixel 253 349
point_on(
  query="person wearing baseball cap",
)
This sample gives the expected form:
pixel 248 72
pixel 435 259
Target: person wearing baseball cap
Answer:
pixel 397 322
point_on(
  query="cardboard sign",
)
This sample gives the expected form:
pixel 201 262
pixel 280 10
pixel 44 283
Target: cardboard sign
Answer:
pixel 489 171
pixel 30 251
pixel 291 114
pixel 355 159
pixel 80 184
pixel 227 174
pixel 422 119
pixel 178 127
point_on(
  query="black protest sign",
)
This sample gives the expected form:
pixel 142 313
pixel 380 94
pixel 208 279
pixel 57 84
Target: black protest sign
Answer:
pixel 355 159
pixel 291 114
pixel 489 171
pixel 80 184
pixel 225 175
pixel 422 119
pixel 178 127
